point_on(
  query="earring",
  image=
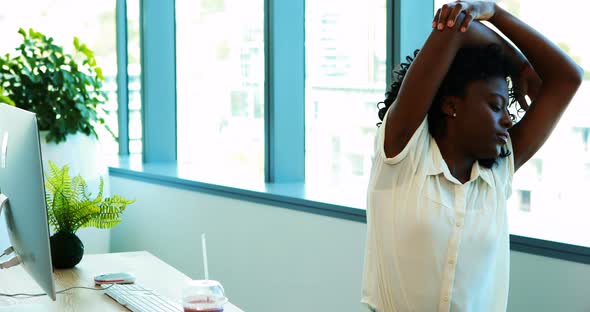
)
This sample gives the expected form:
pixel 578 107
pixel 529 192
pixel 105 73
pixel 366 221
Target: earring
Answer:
pixel 454 114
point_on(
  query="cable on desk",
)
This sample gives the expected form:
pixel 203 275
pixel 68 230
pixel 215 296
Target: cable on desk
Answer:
pixel 7 251
pixel 57 292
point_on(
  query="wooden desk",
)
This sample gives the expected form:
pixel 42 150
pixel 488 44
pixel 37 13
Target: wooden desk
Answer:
pixel 150 271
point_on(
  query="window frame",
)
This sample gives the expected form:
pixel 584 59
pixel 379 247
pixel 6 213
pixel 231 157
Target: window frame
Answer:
pixel 284 184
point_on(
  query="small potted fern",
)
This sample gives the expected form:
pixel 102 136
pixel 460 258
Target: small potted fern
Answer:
pixel 70 207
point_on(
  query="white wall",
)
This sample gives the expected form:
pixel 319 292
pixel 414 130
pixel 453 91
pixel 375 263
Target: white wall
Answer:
pixel 273 259
pixel 546 284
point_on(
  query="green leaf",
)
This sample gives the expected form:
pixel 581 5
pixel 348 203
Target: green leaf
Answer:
pixel 70 206
pixel 99 75
pixel 43 79
pixel 35 35
pixel 6 100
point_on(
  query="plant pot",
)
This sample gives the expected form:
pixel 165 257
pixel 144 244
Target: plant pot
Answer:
pixel 66 250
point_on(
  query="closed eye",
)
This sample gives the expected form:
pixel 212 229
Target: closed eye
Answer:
pixel 495 107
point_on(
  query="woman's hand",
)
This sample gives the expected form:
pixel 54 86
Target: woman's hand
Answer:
pixel 474 10
pixel 527 83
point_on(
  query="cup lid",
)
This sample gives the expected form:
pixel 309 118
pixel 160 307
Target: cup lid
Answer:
pixel 210 289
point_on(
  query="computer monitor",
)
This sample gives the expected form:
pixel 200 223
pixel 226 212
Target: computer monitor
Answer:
pixel 21 181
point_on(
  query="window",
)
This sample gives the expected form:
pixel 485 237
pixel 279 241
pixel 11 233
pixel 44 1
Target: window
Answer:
pixel 525 200
pixel 93 22
pixel 220 84
pixel 552 187
pixel 134 77
pixel 345 79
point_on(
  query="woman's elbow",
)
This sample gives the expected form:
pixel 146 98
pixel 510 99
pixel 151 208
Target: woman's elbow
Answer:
pixel 571 80
pixel 578 76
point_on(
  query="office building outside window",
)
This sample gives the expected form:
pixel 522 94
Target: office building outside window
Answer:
pixel 134 77
pixel 220 85
pixel 550 192
pixel 345 44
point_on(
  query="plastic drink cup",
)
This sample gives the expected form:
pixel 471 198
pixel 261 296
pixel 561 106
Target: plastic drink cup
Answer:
pixel 203 296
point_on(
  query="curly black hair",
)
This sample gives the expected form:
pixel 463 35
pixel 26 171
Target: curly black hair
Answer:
pixel 470 64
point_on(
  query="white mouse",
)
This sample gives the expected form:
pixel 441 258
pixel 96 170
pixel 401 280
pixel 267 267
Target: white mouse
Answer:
pixel 114 278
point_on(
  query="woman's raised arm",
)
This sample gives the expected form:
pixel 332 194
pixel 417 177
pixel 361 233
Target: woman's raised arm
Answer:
pixel 559 74
pixel 426 73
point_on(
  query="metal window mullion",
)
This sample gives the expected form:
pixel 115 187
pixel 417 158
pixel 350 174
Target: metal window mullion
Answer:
pixel 408 26
pixel 122 77
pixel 158 79
pixel 284 39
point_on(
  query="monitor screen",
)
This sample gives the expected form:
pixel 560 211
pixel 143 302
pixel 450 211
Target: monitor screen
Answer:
pixel 21 181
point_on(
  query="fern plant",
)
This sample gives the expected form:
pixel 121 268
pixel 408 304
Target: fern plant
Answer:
pixel 70 206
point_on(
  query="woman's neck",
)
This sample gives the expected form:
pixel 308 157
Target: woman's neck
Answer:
pixel 454 156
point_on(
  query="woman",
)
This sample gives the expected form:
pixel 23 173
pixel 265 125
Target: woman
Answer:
pixel 446 151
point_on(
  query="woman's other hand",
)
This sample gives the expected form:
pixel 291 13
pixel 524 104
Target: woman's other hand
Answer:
pixel 528 83
pixel 474 10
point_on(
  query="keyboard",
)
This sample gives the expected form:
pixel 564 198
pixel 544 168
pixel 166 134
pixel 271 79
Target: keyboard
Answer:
pixel 140 299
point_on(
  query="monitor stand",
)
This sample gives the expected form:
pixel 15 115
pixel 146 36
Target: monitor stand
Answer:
pixel 15 260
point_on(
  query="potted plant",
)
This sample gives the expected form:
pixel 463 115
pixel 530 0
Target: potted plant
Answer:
pixel 66 93
pixel 70 207
pixel 63 90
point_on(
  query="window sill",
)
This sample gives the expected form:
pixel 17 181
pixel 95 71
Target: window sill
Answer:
pixel 340 202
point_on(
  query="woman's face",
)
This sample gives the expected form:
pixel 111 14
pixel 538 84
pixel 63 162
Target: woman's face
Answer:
pixel 482 118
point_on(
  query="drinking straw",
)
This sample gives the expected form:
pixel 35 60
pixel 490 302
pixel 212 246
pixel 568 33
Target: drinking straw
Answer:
pixel 204 245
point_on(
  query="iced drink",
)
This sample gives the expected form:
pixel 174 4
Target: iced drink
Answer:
pixel 191 310
pixel 203 304
pixel 203 296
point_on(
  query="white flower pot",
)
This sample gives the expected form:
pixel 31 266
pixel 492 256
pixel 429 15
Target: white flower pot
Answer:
pixel 83 155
